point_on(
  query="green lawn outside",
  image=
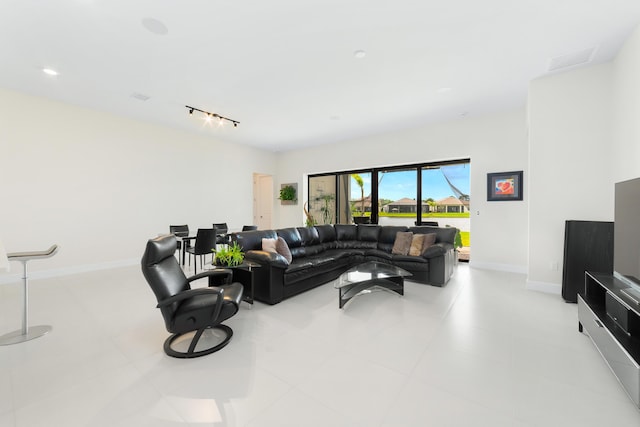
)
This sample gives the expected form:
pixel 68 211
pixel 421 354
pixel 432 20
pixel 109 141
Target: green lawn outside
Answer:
pixel 426 215
pixel 466 238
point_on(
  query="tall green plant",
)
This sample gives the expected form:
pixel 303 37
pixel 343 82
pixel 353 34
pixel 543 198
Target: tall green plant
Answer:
pixel 326 209
pixel 358 179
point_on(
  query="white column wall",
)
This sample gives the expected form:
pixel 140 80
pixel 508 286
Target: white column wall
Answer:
pixel 101 185
pixel 626 109
pixel 494 143
pixel 570 154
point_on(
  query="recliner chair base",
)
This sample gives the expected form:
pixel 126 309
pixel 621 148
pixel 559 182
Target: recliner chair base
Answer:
pixel 219 334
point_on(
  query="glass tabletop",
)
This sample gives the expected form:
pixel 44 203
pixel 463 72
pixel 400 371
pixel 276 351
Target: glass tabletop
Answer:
pixel 369 271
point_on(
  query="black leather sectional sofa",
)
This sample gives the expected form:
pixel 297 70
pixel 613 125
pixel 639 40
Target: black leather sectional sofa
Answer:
pixel 321 253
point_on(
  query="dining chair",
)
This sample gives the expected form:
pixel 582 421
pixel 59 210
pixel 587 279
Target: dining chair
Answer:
pixel 221 231
pixel 180 231
pixel 204 245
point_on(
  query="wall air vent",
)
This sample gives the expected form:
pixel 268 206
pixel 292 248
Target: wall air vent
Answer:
pixel 571 60
pixel 139 96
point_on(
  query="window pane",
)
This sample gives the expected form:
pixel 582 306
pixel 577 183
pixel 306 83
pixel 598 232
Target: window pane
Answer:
pixel 445 198
pixel 397 192
pixel 322 200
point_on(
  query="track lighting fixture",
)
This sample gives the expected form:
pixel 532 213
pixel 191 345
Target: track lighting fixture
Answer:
pixel 209 116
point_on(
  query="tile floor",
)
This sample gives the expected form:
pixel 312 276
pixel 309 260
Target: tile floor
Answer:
pixel 482 351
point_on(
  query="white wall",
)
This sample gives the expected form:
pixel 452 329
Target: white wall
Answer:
pixel 494 143
pixel 101 185
pixel 626 108
pixel 570 177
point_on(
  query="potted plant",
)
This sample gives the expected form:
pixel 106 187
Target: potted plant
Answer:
pixel 288 194
pixel 230 255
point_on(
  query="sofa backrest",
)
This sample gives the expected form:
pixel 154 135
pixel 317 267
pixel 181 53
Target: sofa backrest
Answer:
pixel 387 236
pixel 293 239
pixel 346 232
pixel 310 241
pixel 252 240
pixel 443 234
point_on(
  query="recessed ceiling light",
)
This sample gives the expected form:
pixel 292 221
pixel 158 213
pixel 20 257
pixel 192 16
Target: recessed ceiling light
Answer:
pixel 359 54
pixel 50 71
pixel 155 26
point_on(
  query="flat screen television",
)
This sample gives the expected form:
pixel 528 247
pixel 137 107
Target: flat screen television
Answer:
pixel 626 236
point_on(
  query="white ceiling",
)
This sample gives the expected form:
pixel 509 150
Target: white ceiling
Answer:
pixel 285 69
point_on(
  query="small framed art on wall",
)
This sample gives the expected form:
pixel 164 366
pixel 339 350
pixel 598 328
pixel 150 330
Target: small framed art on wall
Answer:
pixel 504 186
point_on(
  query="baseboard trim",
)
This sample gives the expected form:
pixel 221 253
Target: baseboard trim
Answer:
pixel 509 268
pixel 66 271
pixel 549 288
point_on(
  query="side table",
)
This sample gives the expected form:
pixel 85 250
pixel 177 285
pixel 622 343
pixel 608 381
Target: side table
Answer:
pixel 244 274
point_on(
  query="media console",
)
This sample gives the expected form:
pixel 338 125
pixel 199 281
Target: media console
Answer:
pixel 610 314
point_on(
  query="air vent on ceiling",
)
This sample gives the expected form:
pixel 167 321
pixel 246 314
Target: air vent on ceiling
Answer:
pixel 571 60
pixel 139 96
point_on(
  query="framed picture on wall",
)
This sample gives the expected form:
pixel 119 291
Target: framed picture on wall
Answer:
pixel 504 186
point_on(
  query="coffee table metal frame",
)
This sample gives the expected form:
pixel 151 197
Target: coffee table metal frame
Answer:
pixel 367 277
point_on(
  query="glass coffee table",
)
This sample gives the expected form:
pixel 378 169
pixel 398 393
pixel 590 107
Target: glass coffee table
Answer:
pixel 367 277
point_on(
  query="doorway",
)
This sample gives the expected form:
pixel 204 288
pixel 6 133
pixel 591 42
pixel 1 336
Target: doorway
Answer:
pixel 262 200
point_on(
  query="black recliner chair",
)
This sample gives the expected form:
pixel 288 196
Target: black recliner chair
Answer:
pixel 187 310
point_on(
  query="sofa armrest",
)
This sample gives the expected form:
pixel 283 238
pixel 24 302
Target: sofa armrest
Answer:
pixel 270 258
pixel 436 250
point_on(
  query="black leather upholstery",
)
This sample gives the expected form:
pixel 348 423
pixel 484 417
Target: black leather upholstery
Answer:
pixel 179 231
pixel 185 309
pixel 321 253
pixel 221 232
pixel 204 245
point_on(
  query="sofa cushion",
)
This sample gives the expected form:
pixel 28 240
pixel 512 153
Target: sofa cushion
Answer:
pixel 294 241
pixel 346 232
pixel 429 240
pixel 269 245
pixel 402 243
pixel 283 249
pixel 368 233
pixel 326 233
pixel 417 242
pixel 313 250
pixel 309 236
pixel 387 237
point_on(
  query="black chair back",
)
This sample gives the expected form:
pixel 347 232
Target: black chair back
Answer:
pixel 249 227
pixel 163 273
pixel 221 228
pixel 205 241
pixel 179 230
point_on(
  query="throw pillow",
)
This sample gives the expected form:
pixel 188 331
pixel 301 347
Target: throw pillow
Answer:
pixel 429 240
pixel 283 249
pixel 417 242
pixel 402 243
pixel 269 245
